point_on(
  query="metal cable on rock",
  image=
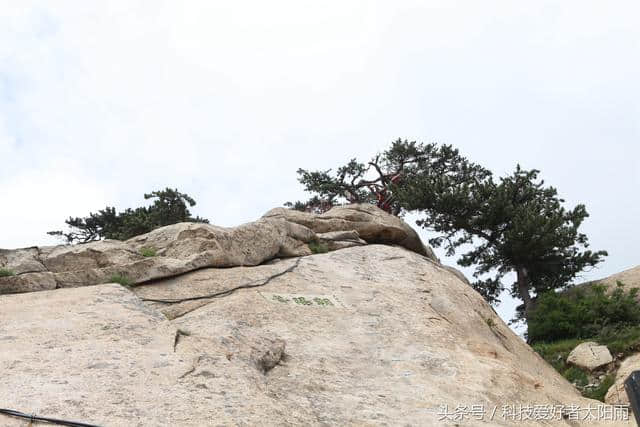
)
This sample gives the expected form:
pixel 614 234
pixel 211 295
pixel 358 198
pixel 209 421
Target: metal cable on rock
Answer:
pixel 34 417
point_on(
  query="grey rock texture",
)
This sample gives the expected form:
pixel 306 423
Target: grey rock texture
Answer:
pixel 367 335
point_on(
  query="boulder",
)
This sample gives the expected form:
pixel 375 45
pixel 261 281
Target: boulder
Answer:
pixel 616 395
pixel 372 224
pixel 19 261
pixel 590 355
pixel 368 335
pixel 27 282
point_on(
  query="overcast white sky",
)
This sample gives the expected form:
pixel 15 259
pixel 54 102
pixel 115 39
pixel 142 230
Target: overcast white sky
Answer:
pixel 103 101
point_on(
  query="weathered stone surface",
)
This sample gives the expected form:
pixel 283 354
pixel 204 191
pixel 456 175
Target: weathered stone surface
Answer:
pixel 27 282
pixel 185 247
pixel 69 351
pixel 372 224
pixel 630 277
pixel 371 335
pixel 617 394
pixel 341 235
pixel 23 260
pixel 590 355
pixel 341 239
pixel 93 255
pixel 457 273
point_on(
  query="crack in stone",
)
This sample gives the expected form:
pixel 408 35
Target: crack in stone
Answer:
pixel 226 292
pixel 179 333
pixel 192 369
pixel 439 314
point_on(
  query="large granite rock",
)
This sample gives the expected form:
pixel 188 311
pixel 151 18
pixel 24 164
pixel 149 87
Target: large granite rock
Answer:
pixel 372 224
pixel 368 335
pixel 185 247
pixel 616 395
pixel 590 355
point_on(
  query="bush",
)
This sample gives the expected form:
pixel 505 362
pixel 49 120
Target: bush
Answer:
pixel 582 313
pixel 120 279
pixel 556 353
pixel 318 247
pixel 600 391
pixel 560 322
pixel 620 340
pixel 576 376
pixel 147 252
pixel 5 272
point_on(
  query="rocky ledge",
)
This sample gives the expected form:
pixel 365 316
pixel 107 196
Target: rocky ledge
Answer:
pixel 185 247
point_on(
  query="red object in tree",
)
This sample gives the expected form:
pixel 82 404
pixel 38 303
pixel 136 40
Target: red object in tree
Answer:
pixel 383 195
pixel 384 200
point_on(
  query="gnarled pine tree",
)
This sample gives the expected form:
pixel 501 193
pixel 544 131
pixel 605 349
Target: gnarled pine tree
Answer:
pixel 515 224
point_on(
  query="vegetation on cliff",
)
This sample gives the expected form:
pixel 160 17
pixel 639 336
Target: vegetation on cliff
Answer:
pixel 561 321
pixel 514 223
pixel 169 207
pixel 583 313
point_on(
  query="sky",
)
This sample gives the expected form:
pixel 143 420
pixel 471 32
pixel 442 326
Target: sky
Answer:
pixel 101 102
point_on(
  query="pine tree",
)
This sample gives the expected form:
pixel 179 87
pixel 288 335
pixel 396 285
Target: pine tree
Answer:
pixel 515 224
pixel 169 207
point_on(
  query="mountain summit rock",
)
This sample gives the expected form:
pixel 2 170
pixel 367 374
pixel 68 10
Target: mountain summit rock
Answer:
pixel 248 326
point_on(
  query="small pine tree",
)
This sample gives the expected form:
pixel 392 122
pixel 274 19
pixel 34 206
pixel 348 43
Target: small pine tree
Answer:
pixel 169 207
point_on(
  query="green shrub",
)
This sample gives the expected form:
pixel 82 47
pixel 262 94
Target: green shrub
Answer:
pixel 583 313
pixel 318 247
pixel 620 340
pixel 560 322
pixel 556 353
pixel 120 279
pixel 5 272
pixel 147 252
pixel 600 391
pixel 576 376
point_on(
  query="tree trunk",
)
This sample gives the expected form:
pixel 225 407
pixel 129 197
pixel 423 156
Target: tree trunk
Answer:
pixel 523 290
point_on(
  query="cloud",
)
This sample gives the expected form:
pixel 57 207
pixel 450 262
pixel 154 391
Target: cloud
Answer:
pixel 100 103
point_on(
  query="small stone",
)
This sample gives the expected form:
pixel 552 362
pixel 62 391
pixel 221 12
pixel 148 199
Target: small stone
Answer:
pixel 268 356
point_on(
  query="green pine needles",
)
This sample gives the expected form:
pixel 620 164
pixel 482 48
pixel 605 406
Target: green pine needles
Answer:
pixel 513 224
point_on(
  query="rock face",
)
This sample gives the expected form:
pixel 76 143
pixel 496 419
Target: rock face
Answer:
pixel 590 355
pixel 617 394
pixel 630 277
pixel 365 335
pixel 185 247
pixel 372 224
